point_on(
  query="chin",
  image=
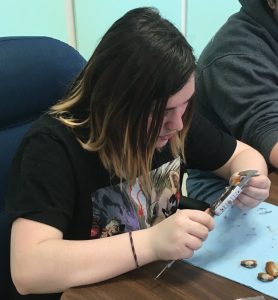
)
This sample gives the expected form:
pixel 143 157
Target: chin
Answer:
pixel 159 145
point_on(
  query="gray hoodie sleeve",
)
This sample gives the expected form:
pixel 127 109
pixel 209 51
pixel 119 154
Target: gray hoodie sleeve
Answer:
pixel 242 90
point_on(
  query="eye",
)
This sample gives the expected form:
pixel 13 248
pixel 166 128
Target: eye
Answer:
pixel 167 111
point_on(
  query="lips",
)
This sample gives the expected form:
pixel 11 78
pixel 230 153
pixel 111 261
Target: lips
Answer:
pixel 166 137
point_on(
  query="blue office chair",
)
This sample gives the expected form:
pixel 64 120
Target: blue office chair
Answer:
pixel 34 73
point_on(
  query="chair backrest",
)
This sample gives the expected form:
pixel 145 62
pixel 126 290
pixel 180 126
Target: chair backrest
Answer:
pixel 34 73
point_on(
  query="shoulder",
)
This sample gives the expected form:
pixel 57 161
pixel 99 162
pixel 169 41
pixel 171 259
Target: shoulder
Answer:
pixel 48 141
pixel 50 126
pixel 49 131
pixel 239 38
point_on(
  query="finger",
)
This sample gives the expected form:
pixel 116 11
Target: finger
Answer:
pixel 245 201
pixel 187 253
pixel 258 195
pixel 261 181
pixel 193 243
pixel 255 193
pixel 200 217
pixel 198 230
pixel 240 204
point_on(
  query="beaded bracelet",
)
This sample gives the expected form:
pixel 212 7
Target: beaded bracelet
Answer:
pixel 133 249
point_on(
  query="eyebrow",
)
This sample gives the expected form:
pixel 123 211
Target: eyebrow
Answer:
pixel 171 108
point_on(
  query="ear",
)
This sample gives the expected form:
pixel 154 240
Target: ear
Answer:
pixel 271 4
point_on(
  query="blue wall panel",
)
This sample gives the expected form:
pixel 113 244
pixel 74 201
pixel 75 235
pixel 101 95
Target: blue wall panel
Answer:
pixel 94 17
pixel 33 17
pixel 204 18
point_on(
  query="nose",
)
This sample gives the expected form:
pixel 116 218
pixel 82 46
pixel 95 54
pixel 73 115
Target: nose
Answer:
pixel 174 121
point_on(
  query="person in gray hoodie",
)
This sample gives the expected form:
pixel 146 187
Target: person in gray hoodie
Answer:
pixel 237 86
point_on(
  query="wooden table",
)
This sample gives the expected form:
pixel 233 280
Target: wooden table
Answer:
pixel 182 281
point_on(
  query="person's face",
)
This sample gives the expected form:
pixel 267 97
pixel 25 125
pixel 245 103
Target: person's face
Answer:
pixel 175 108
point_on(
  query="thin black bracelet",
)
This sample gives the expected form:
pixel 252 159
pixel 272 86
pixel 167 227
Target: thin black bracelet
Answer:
pixel 133 249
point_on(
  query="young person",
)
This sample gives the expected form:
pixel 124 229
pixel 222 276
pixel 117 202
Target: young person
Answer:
pixel 236 85
pixel 95 184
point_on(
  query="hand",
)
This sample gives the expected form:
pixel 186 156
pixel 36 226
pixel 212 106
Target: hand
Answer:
pixel 256 191
pixel 179 235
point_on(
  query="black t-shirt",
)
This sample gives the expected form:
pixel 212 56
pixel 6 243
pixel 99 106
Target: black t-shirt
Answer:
pixel 56 182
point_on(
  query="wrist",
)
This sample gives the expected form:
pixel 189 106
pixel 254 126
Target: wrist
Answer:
pixel 133 250
pixel 144 246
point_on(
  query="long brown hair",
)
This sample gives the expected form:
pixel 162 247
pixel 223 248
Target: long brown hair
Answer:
pixel 139 63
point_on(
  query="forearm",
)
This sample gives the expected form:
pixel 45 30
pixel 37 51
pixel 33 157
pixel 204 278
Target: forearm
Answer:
pixel 42 262
pixel 249 159
pixel 274 156
pixel 55 265
pixel 244 158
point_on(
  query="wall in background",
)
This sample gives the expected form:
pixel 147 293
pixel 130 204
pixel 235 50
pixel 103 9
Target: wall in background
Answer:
pixel 33 17
pixel 94 17
pixel 204 18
